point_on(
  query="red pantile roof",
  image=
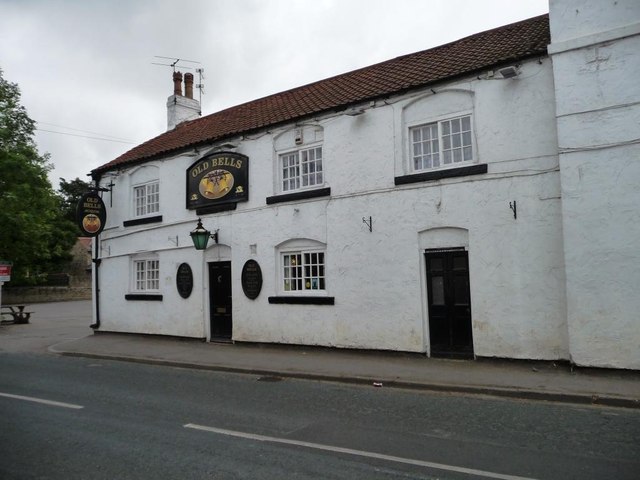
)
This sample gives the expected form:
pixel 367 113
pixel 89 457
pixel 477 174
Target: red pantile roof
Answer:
pixel 85 241
pixel 475 53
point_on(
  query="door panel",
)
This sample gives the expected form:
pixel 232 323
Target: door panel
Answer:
pixel 220 305
pixel 449 303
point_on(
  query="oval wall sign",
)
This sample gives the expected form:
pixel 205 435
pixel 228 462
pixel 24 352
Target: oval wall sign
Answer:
pixel 251 279
pixel 184 280
pixel 91 214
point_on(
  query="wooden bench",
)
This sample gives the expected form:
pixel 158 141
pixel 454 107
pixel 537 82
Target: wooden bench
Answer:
pixel 17 312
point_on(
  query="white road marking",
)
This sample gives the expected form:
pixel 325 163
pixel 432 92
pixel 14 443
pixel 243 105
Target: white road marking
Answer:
pixel 41 400
pixel 360 453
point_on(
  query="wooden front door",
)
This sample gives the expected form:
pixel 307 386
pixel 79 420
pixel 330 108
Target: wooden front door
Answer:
pixel 220 300
pixel 449 303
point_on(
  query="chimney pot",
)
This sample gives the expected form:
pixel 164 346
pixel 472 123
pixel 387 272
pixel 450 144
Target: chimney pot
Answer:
pixel 188 85
pixel 177 83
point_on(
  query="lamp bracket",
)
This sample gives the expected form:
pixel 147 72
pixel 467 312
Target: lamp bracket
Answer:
pixel 368 223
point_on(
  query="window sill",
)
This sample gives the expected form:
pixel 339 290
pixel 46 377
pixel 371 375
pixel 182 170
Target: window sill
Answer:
pixel 440 174
pixel 303 195
pixel 142 221
pixel 143 297
pixel 302 300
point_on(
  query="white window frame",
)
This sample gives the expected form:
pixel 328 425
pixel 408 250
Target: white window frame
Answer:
pixel 148 203
pixel 297 160
pixel 309 274
pixel 447 148
pixel 145 274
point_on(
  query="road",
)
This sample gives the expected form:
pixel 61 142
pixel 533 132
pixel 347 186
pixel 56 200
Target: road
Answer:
pixel 74 418
pixel 141 421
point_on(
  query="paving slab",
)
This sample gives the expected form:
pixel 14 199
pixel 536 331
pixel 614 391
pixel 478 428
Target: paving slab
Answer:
pixel 63 328
pixel 50 323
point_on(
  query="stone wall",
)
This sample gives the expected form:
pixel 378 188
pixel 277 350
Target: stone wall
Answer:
pixel 596 66
pixel 11 295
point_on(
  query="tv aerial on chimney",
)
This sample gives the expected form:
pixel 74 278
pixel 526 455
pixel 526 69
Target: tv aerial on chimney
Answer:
pixel 200 85
pixel 174 64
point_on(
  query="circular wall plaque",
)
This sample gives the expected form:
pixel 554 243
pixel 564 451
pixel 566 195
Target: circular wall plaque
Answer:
pixel 184 280
pixel 251 279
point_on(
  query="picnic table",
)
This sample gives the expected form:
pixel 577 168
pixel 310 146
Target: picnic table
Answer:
pixel 17 312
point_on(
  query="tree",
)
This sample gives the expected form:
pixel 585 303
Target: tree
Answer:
pixel 34 234
pixel 70 193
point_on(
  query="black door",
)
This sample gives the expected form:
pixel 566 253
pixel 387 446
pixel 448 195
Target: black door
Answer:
pixel 220 300
pixel 449 303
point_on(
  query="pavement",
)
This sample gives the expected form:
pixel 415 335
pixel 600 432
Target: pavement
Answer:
pixel 55 329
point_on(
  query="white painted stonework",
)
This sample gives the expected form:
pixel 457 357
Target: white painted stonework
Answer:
pixel 557 282
pixel 596 66
pixel 181 109
pixel 377 278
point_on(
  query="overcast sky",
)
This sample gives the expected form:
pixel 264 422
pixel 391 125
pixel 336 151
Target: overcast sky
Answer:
pixel 84 67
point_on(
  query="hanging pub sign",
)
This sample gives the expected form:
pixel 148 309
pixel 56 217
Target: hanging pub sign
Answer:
pixel 91 214
pixel 218 178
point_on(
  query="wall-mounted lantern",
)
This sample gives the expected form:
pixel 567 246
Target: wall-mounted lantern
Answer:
pixel 201 236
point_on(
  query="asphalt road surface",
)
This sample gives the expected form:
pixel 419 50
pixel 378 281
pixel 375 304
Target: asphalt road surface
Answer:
pixel 73 418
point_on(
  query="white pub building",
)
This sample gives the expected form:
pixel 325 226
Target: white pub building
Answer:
pixel 476 199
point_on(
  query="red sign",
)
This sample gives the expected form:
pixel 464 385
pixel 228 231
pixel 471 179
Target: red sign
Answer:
pixel 5 271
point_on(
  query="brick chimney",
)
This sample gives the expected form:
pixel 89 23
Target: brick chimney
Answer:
pixel 181 108
pixel 188 85
pixel 177 83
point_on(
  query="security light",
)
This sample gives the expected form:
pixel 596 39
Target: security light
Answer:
pixel 509 72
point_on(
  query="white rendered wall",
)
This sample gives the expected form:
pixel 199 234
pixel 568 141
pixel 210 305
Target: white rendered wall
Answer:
pixel 596 66
pixel 377 278
pixel 180 109
pixel 577 19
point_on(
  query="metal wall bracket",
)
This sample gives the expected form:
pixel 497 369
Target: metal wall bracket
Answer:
pixel 368 224
pixel 514 208
pixel 98 188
